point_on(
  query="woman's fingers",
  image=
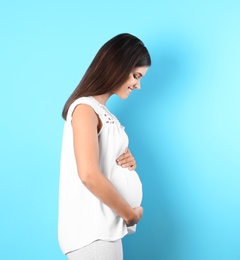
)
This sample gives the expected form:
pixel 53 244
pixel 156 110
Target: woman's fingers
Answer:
pixel 126 160
pixel 138 216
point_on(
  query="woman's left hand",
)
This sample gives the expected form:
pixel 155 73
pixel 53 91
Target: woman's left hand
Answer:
pixel 126 160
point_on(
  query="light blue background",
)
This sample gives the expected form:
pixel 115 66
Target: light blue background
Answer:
pixel 183 125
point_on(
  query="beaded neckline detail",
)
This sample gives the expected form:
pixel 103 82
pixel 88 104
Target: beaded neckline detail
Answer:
pixel 104 107
pixel 109 117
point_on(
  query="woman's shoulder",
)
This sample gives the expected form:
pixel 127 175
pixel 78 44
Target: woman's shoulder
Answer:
pixel 82 100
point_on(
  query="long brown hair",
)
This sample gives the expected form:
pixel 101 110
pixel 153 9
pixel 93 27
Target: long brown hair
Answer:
pixel 111 67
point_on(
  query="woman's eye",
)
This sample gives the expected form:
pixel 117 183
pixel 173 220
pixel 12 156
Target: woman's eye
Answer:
pixel 136 76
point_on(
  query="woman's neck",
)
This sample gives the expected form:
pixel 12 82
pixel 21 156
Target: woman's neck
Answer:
pixel 102 99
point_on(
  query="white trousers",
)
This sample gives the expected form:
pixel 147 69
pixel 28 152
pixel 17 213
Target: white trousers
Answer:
pixel 99 250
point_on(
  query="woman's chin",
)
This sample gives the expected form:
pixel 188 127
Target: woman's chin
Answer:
pixel 123 96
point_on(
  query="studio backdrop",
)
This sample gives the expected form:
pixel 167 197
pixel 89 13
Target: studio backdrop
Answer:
pixel 183 125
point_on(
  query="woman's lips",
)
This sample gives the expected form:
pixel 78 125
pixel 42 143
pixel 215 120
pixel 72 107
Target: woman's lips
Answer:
pixel 130 89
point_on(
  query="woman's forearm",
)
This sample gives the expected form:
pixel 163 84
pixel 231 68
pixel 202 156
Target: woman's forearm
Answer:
pixel 103 189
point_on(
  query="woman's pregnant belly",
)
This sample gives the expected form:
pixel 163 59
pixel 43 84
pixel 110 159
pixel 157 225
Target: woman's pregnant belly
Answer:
pixel 128 185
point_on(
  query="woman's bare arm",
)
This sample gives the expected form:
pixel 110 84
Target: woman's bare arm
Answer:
pixel 85 125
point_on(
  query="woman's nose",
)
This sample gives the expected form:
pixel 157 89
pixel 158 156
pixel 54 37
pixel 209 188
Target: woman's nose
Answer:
pixel 137 85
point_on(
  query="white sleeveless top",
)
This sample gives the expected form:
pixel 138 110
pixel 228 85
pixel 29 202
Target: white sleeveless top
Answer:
pixel 82 217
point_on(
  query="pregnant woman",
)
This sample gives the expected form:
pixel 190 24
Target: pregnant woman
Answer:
pixel 100 192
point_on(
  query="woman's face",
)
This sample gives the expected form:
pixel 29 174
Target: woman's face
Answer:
pixel 133 82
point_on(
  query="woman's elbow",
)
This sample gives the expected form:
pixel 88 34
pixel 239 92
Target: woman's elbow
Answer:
pixel 86 177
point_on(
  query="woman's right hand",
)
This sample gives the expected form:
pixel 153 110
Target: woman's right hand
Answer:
pixel 137 216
